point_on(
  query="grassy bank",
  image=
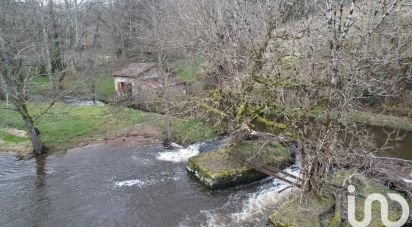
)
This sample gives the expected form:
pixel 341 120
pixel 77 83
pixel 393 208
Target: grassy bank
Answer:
pixel 372 119
pixel 78 86
pixel 404 123
pixel 188 70
pixel 65 126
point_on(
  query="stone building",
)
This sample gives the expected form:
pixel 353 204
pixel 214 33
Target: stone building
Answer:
pixel 146 79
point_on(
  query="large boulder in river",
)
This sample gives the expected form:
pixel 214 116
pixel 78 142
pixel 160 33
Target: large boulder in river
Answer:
pixel 217 169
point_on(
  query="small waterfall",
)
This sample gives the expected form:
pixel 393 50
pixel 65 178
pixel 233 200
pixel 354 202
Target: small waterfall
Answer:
pixel 180 155
pixel 248 209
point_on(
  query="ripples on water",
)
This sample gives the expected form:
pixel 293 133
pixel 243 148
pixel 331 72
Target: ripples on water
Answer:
pixel 249 206
pixel 111 185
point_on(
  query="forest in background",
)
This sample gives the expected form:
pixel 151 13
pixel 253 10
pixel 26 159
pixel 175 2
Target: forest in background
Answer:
pixel 293 68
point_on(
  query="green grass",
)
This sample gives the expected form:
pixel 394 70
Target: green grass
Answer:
pixel 191 130
pixel 188 72
pixel 39 85
pixel 65 126
pixel 80 86
pixel 11 138
pixel 105 86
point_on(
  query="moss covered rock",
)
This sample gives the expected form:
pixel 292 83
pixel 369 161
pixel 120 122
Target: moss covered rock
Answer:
pixel 316 210
pixel 217 170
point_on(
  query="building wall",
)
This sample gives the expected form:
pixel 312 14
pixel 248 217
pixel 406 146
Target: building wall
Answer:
pixel 118 80
pixel 177 90
pixel 139 89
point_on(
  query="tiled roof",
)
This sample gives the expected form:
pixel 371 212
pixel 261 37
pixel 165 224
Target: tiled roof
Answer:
pixel 158 82
pixel 134 69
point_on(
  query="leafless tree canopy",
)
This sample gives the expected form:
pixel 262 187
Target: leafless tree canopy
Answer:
pixel 294 67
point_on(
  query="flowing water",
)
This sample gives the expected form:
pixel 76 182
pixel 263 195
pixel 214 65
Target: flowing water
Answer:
pixel 132 185
pixel 122 185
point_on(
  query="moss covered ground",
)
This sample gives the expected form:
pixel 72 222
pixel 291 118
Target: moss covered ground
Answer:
pixel 317 210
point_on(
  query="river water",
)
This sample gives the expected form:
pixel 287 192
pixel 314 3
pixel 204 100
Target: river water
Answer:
pixel 122 185
pixel 399 145
pixel 131 185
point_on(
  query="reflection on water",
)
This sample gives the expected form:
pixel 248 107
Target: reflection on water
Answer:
pixel 397 148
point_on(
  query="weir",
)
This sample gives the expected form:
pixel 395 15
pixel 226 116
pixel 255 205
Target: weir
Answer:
pixel 266 168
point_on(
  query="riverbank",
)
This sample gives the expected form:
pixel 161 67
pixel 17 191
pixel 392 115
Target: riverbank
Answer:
pixel 369 119
pixel 382 120
pixel 68 126
pixel 328 209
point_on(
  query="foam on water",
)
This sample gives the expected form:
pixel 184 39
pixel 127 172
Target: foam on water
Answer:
pixel 161 177
pixel 181 155
pixel 254 207
pixel 176 145
pixel 262 201
pixel 408 182
pixel 129 183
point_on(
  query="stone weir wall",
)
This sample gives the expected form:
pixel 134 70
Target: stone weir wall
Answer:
pixel 217 170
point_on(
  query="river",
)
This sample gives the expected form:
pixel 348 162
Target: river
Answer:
pixel 129 184
pixel 122 185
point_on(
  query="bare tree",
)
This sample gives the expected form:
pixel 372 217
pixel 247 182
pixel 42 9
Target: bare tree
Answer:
pixel 310 71
pixel 17 53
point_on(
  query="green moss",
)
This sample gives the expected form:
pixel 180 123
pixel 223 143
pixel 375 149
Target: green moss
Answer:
pixel 269 152
pixel 269 124
pixel 313 211
pixel 217 169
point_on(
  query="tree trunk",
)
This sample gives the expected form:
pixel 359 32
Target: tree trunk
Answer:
pixel 61 80
pixel 94 88
pixel 38 147
pixel 47 57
